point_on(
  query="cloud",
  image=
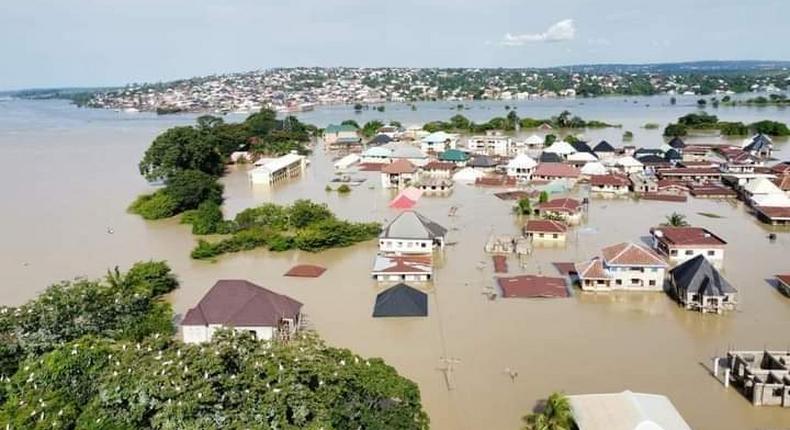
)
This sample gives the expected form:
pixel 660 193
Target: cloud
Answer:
pixel 558 32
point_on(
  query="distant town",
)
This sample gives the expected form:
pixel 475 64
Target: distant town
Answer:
pixel 301 89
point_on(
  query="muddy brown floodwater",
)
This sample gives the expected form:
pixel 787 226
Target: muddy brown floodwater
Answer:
pixel 65 187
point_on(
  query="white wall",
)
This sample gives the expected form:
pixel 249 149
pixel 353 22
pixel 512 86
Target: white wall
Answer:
pixel 406 246
pixel 200 333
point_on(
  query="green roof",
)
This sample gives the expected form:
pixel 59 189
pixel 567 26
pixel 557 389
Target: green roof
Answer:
pixel 334 128
pixel 453 155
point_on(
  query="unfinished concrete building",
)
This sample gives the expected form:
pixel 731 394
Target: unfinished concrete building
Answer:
pixel 762 376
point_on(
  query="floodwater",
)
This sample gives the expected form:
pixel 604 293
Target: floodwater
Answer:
pixel 69 174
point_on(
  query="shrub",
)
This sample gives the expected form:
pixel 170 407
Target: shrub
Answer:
pixel 157 205
pixel 344 189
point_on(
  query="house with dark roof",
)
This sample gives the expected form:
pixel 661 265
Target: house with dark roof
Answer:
pixel 411 233
pixel 401 301
pixel 603 150
pixel 483 163
pixel 625 266
pixel 380 139
pixel 783 283
pixel 680 244
pixel 697 285
pixel 759 146
pixel 550 157
pixel 581 146
pixel 673 155
pixel 677 143
pixel 242 306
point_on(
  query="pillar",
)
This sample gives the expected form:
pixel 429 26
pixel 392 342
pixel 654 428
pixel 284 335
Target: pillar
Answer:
pixel 726 378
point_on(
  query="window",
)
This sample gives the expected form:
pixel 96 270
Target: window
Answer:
pixel 423 244
pixel 619 282
pixel 634 281
pixel 689 252
pixel 652 283
pixel 711 253
pixel 555 235
pixel 673 252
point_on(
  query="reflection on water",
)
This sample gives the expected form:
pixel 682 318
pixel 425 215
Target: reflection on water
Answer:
pixel 67 180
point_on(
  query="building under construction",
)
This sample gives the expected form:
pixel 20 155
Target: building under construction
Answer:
pixel 762 376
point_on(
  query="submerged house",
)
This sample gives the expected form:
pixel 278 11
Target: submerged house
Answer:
pixel 569 210
pixel 604 151
pixel 545 230
pixel 762 376
pixel 398 174
pixel 492 143
pixel 521 167
pixel 242 306
pixel 697 285
pixel 456 156
pixel 553 171
pixel 680 244
pixel 401 301
pixel 625 266
pixel 395 268
pixel 612 184
pixel 625 411
pixel 275 170
pixel 439 141
pixel 759 145
pixel 411 233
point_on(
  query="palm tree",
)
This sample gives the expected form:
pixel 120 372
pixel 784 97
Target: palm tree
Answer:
pixel 556 415
pixel 675 220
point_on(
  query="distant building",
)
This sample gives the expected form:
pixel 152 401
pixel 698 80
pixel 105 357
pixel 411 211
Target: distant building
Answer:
pixel 439 141
pixel 398 174
pixel 611 184
pixel 272 171
pixel 492 143
pixel 521 167
pixel 680 244
pixel 242 306
pixel 697 285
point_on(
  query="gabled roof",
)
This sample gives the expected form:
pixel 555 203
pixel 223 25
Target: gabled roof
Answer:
pixel 603 146
pixel 522 161
pixel 399 265
pixel 758 142
pixel 412 225
pixel 594 168
pixel 401 301
pixel 592 269
pixel 631 254
pixel 628 161
pixel 438 137
pixel 560 205
pixel 482 161
pixel 439 165
pixel 625 411
pixel 399 166
pixel 697 275
pixel 561 147
pixel 380 139
pixel 240 303
pixel 581 146
pixel 673 154
pixel 403 150
pixel 377 151
pixel 582 156
pixel 610 179
pixel 651 159
pixel 532 286
pixel 534 140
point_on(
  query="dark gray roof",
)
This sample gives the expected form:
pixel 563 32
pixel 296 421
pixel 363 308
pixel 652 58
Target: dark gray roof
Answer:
pixel 650 158
pixel 482 161
pixel 677 143
pixel 412 225
pixel 380 139
pixel 581 146
pixel 673 154
pixel 603 146
pixel 550 157
pixel 236 302
pixel 401 301
pixel 759 143
pixel 699 276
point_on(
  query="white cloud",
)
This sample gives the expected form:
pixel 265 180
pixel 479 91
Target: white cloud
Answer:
pixel 558 32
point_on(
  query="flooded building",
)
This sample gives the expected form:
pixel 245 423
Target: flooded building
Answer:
pixel 439 141
pixel 545 230
pixel 399 174
pixel 492 143
pixel 273 171
pixel 699 286
pixel 611 184
pixel 762 376
pixel 625 266
pixel 242 306
pixel 397 268
pixel 399 301
pixel 411 233
pixel 625 411
pixel 680 244
pixel 521 167
pixel 567 209
pixel 553 171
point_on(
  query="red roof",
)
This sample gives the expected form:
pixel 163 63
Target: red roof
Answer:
pixel 785 279
pixel 500 264
pixel 399 166
pixel 611 180
pixel 564 268
pixel 496 181
pixel 782 168
pixel 557 170
pixel 402 202
pixel 783 183
pixel 532 286
pixel 561 205
pixel 306 271
pixel 631 254
pixel 545 226
pixel 592 269
pixel 439 165
pixel 690 171
pixel 241 303
pixel 687 236
pixel 774 212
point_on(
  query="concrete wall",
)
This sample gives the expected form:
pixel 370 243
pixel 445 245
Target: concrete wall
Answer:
pixel 647 278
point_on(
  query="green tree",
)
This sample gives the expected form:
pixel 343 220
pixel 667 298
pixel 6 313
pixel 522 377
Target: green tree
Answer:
pixel 370 128
pixel 675 220
pixel 350 122
pixel 673 130
pixel 524 206
pixel 556 415
pixel 543 197
pixel 549 140
pixel 262 123
pixel 190 188
pixel 180 148
pixel 771 128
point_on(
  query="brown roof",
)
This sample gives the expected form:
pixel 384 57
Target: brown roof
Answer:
pixel 774 211
pixel 592 269
pixel 687 236
pixel 613 180
pixel 690 171
pixel 496 181
pixel 545 226
pixel 236 302
pixel 783 182
pixel 782 168
pixel 399 166
pixel 560 205
pixel 785 279
pixel 500 263
pixel 631 254
pixel 439 165
pixel 306 271
pixel 557 170
pixel 565 268
pixel 529 286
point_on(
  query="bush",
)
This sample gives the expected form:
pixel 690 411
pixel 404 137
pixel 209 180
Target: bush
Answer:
pixel 190 188
pixel 733 129
pixel 771 128
pixel 207 219
pixel 651 126
pixel 673 130
pixel 157 205
pixel 343 189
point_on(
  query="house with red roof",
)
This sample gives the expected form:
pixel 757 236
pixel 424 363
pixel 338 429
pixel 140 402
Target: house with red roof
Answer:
pixel 545 230
pixel 400 173
pixel 552 171
pixel 532 286
pixel 398 268
pixel 568 209
pixel 679 244
pixel 610 184
pixel 625 266
pixel 242 306
pixel 784 284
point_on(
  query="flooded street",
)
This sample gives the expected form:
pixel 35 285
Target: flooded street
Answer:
pixel 70 174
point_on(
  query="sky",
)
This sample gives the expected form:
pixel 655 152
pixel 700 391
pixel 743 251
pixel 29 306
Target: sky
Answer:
pixel 58 43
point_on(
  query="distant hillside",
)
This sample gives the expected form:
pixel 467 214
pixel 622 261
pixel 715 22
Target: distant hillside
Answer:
pixel 683 67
